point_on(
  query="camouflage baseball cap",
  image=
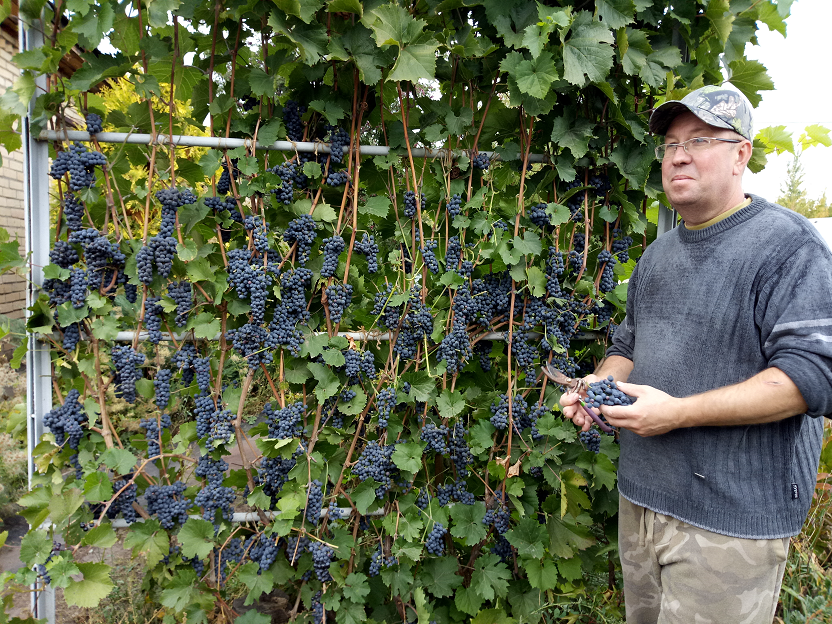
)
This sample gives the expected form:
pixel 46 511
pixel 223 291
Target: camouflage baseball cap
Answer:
pixel 717 106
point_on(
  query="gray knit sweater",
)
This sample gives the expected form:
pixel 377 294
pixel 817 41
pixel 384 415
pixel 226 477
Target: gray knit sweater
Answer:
pixel 713 307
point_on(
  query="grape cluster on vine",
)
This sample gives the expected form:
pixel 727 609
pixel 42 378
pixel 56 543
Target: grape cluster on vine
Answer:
pixel 332 247
pixel 302 231
pixel 161 386
pixel 369 248
pixel 435 542
pixel 182 295
pixel 168 503
pixel 454 205
pixel 386 401
pixel 153 429
pixel 338 297
pixel 125 363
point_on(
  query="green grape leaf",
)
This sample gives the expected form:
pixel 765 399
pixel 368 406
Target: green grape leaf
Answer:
pixel 196 538
pixel 97 487
pixel 585 52
pixel 408 456
pixel 356 588
pixel 364 495
pixel 101 536
pixel 468 524
pixel 328 384
pixel 147 538
pixel 450 404
pixel 252 616
pixel 95 585
pixel 527 537
pixel 205 325
pixel 258 584
pixel 333 357
pixel 35 547
pixel 537 281
pixel 62 571
pixel 355 405
pixel 468 600
pixel 490 578
pixel 616 13
pixel 541 573
pixel 440 577
pixel 181 591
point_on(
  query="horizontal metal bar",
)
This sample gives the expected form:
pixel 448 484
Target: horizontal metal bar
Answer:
pixel 251 516
pixel 182 140
pixel 126 336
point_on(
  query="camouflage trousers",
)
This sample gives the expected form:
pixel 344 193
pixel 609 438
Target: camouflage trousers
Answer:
pixel 675 573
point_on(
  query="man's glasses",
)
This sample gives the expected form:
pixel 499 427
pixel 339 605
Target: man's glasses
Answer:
pixel 691 146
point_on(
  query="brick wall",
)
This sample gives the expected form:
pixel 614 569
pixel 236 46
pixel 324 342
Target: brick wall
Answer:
pixel 12 287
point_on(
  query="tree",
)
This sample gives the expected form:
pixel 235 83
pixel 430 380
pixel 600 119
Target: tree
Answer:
pixel 793 195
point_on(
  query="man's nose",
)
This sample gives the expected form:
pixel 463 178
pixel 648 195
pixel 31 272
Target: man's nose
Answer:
pixel 680 156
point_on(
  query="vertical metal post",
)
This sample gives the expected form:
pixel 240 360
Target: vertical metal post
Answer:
pixel 36 202
pixel 668 219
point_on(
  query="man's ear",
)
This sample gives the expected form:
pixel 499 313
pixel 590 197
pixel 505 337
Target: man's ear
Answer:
pixel 743 156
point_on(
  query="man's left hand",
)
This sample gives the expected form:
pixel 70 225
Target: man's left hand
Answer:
pixel 652 414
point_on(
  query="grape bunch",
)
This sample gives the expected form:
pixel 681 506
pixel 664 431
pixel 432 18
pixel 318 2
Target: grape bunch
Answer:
pixel 333 247
pixel 314 501
pixel 202 368
pixel 376 463
pixel 385 403
pixel 183 360
pixel 63 254
pixel 410 204
pixel 453 253
pixel 388 314
pixel 555 268
pixel 212 470
pixel 224 183
pixel 455 348
pixel 65 421
pixel 481 161
pixel 377 560
pixel 153 313
pixel 292 113
pixel 221 204
pixel 80 164
pixel 417 324
pixel 285 192
pixel 182 295
pixel 212 497
pixel 301 231
pixel 321 558
pixel 435 542
pixel 125 361
pixel 429 256
pixel 369 248
pixel 576 254
pixel 287 422
pixel 161 386
pixel 499 517
pixel 72 334
pixel 608 261
pixel 483 350
pixel 153 433
pixel 606 392
pixel 455 205
pixel 436 438
pixel 262 550
pixel 78 287
pixel 339 142
pixel 73 212
pixel 499 410
pixel 123 503
pixel 338 297
pixel 538 215
pixel 168 503
pixel 94 123
pixel 592 440
pixel 337 178
pixel 621 245
pixel 258 231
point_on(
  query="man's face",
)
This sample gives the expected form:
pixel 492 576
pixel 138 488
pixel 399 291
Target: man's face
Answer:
pixel 703 180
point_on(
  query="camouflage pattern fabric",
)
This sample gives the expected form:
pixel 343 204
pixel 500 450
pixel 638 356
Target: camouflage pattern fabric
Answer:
pixel 716 106
pixel 676 573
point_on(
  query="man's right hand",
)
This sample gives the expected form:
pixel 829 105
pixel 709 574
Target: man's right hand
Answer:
pixel 572 409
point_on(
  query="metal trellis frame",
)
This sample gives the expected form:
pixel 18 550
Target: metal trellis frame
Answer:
pixel 37 217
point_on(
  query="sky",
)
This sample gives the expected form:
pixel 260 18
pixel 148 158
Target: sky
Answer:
pixel 802 96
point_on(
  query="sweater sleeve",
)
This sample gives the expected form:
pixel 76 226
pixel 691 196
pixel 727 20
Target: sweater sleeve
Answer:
pixel 624 338
pixel 794 313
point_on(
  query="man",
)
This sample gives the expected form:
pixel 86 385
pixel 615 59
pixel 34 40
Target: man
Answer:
pixel 727 347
